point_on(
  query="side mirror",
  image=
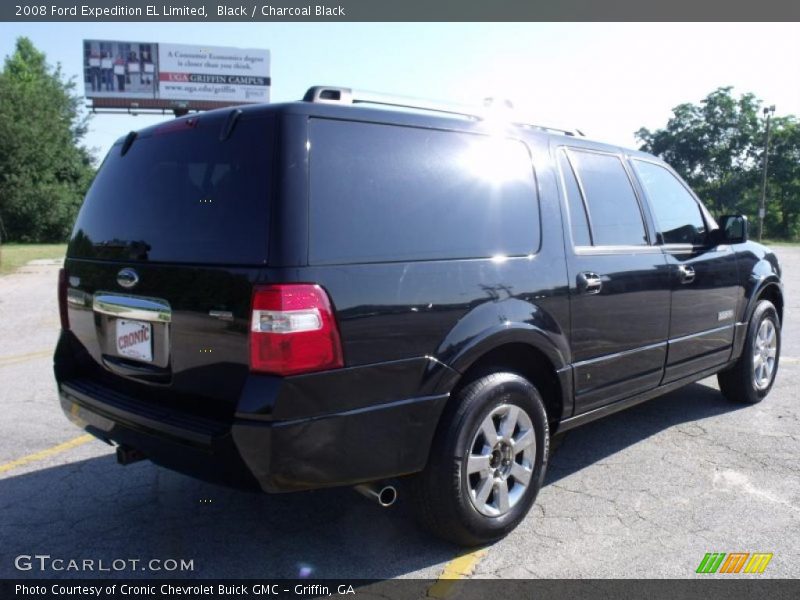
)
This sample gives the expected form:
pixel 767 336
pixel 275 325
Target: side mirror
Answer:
pixel 733 229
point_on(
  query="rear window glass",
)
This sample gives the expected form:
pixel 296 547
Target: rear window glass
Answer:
pixel 383 193
pixel 181 195
pixel 614 212
pixel 577 211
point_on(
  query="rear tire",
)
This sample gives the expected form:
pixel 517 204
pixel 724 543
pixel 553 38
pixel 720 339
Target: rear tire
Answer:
pixel 487 461
pixel 751 378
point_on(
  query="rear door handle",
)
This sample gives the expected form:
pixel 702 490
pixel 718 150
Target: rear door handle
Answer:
pixel 589 283
pixel 685 273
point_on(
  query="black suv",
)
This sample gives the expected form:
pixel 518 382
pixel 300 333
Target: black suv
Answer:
pixel 344 290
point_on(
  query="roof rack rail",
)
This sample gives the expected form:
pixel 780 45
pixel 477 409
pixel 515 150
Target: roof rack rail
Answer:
pixel 321 94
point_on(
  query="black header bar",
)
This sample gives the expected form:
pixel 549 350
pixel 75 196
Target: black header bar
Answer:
pixel 732 588
pixel 398 10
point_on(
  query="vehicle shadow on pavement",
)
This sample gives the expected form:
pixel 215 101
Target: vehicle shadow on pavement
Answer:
pixel 579 448
pixel 96 509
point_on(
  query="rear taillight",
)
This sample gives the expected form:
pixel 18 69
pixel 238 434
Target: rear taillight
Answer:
pixel 62 298
pixel 293 330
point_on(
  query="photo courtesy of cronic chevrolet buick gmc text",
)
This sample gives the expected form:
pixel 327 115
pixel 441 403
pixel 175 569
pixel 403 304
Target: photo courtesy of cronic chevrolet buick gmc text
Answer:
pixel 355 289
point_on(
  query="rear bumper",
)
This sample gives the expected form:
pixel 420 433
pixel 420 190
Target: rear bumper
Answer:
pixel 344 448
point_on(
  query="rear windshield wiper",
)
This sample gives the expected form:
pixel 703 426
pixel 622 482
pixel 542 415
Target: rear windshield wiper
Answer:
pixel 230 123
pixel 126 145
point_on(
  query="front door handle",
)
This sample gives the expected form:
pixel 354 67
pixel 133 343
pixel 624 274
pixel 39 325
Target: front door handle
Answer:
pixel 685 273
pixel 589 283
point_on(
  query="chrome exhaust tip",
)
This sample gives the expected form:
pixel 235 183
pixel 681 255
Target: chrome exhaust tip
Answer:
pixel 127 455
pixel 384 495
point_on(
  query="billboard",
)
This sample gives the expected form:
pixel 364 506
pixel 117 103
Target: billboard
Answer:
pixel 144 75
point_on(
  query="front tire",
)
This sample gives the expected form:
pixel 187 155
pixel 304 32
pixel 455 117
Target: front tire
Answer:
pixel 751 378
pixel 487 462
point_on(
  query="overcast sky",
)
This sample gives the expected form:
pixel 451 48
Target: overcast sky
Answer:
pixel 605 79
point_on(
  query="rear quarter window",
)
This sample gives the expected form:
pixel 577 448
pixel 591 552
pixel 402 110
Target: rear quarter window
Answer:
pixel 385 193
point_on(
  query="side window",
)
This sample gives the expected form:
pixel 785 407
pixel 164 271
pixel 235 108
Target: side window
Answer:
pixel 389 193
pixel 577 211
pixel 614 212
pixel 678 216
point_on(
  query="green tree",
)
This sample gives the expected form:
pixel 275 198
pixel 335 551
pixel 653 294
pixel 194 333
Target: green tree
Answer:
pixel 783 185
pixel 44 169
pixel 718 147
pixel 712 145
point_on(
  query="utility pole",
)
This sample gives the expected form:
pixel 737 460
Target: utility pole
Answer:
pixel 762 209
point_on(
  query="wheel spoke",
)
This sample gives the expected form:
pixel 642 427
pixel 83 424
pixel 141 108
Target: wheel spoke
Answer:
pixel 509 422
pixel 521 473
pixel 489 432
pixel 772 352
pixel 478 463
pixel 757 360
pixel 523 441
pixel 483 492
pixel 501 492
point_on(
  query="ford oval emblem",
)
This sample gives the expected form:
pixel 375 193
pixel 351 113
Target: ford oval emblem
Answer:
pixel 127 278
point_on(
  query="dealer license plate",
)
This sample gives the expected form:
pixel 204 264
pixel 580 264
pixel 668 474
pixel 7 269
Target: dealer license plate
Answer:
pixel 135 339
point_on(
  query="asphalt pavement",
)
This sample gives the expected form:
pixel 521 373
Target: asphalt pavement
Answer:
pixel 644 493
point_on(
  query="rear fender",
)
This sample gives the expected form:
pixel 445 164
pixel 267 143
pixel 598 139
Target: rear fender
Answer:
pixel 494 324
